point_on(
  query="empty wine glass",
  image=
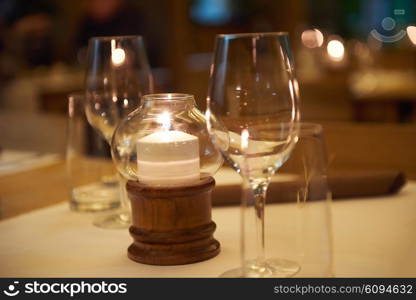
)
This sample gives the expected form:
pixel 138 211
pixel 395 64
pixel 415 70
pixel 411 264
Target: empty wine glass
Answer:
pixel 253 94
pixel 118 74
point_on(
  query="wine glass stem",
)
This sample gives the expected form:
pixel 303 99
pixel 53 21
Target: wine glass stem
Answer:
pixel 124 201
pixel 254 197
pixel 259 202
pixel 259 193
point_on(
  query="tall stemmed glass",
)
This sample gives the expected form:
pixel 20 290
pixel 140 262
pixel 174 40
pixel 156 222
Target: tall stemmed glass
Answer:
pixel 253 118
pixel 118 74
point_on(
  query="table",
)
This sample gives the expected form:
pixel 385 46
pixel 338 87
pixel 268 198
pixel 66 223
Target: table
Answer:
pixel 373 237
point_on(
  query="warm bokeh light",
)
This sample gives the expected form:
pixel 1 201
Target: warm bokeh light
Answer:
pixel 118 56
pixel 312 38
pixel 335 49
pixel 411 33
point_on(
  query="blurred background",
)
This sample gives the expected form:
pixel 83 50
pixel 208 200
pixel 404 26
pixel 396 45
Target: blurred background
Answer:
pixel 355 63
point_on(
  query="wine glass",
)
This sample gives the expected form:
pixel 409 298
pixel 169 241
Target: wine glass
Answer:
pixel 252 115
pixel 118 74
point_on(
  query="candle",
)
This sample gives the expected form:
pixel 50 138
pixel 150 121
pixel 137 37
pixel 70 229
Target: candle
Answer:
pixel 168 157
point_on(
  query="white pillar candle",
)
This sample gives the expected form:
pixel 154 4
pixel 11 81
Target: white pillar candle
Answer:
pixel 168 158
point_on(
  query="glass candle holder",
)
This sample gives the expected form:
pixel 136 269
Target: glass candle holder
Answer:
pixel 165 151
pixel 165 142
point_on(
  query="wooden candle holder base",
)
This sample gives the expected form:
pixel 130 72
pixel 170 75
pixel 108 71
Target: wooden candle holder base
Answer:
pixel 172 225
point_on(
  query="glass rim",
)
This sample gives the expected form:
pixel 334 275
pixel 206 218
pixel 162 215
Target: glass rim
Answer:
pixel 115 37
pixel 252 34
pixel 168 97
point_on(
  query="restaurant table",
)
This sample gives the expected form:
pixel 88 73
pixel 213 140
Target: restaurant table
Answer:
pixel 372 237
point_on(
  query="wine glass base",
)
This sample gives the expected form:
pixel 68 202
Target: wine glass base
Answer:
pixel 275 267
pixel 114 220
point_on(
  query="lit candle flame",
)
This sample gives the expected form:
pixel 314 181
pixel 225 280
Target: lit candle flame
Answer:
pixel 164 120
pixel 244 140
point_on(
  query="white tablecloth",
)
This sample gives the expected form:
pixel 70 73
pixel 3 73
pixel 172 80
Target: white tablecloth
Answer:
pixel 372 237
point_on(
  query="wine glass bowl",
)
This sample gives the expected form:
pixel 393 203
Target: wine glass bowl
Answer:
pixel 254 93
pixel 118 74
pixel 252 107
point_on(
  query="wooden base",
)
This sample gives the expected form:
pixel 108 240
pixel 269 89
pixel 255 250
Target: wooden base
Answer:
pixel 172 225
